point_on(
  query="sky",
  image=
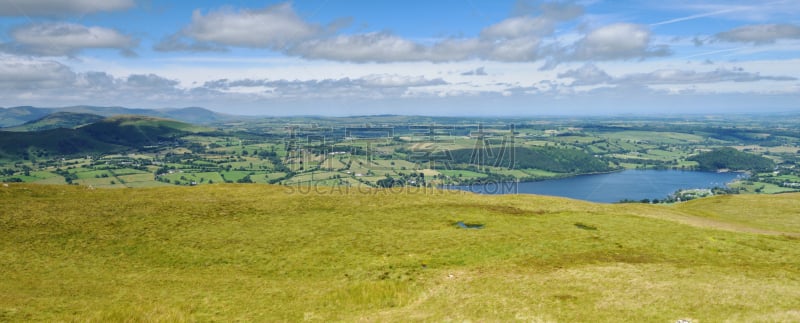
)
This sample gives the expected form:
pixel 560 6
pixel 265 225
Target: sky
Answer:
pixel 442 58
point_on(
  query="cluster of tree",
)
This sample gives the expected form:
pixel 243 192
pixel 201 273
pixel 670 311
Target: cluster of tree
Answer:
pixel 732 159
pixel 390 182
pixel 405 179
pixel 68 177
pixel 245 179
pixel 683 196
pixel 553 159
pixel 289 174
pixel 492 178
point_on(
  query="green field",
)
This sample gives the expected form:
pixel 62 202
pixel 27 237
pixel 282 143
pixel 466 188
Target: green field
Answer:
pixel 272 253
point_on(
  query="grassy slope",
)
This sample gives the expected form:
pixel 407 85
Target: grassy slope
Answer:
pixel 109 135
pixel 57 120
pixel 254 253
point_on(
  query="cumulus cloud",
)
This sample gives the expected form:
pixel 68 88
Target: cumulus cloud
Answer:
pixel 276 27
pixel 617 41
pixel 17 73
pixel 516 27
pixel 149 81
pixel 370 47
pixel 518 38
pixel 30 8
pixel 760 34
pixel 56 39
pixel 515 50
pixel 590 74
pixel 515 39
pixel 279 28
pixel 526 26
pixel 29 80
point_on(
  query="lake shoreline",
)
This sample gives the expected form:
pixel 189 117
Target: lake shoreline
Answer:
pixel 610 187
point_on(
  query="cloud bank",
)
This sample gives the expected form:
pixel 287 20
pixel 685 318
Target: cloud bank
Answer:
pixel 33 8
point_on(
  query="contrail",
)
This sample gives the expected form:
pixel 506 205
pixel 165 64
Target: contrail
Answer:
pixel 718 12
pixel 713 52
pixel 702 15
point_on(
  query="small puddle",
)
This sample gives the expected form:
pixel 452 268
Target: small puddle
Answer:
pixel 463 225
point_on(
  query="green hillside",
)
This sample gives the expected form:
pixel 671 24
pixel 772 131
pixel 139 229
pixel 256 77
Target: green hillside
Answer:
pixel 133 130
pixel 18 115
pixel 51 142
pixel 551 159
pixel 269 253
pixel 105 136
pixel 733 159
pixel 57 120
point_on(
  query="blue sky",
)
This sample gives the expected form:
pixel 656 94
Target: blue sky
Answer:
pixel 449 57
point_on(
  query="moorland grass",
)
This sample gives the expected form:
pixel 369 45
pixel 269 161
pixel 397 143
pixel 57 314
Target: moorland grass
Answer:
pixel 270 253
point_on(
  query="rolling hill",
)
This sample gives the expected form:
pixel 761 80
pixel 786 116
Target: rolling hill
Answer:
pixel 57 120
pixel 107 135
pixel 132 130
pixel 14 116
pixel 268 253
pixel 730 158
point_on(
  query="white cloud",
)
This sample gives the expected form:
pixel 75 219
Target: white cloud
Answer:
pixel 57 39
pixel 526 26
pixel 149 82
pixel 617 41
pixel 18 73
pixel 760 34
pixel 515 39
pixel 673 76
pixel 515 50
pixel 274 27
pixel 590 74
pixel 279 28
pixel 394 80
pixel 31 8
pixel 370 47
pixel 367 87
pixel 516 27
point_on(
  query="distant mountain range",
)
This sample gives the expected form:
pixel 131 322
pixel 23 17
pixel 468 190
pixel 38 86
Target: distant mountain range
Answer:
pixel 17 116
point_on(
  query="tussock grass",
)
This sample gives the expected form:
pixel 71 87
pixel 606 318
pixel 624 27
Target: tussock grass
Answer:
pixel 258 253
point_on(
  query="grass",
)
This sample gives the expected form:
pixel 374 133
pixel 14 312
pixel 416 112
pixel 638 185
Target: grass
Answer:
pixel 751 210
pixel 267 253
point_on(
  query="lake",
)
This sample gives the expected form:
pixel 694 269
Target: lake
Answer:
pixel 612 187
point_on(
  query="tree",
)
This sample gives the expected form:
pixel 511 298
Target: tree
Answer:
pixel 733 159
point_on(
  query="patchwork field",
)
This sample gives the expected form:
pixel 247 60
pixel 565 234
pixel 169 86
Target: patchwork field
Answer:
pixel 270 253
